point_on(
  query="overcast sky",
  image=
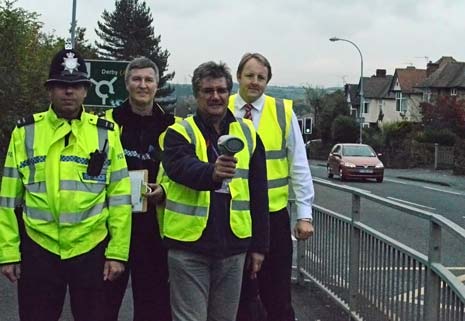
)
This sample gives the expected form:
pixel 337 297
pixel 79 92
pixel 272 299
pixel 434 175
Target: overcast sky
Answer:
pixel 293 34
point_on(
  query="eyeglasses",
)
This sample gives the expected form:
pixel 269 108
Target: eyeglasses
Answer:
pixel 211 91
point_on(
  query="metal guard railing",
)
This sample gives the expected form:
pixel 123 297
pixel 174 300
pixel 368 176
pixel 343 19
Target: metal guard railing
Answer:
pixel 374 277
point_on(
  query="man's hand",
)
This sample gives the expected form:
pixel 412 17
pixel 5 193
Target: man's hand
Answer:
pixel 12 271
pixel 254 263
pixel 112 270
pixel 303 229
pixel 157 195
pixel 225 167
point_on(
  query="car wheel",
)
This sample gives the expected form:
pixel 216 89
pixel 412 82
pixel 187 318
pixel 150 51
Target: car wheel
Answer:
pixel 328 169
pixel 341 175
pixel 379 179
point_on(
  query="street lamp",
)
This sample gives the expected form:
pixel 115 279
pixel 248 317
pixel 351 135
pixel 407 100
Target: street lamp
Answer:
pixel 73 25
pixel 362 98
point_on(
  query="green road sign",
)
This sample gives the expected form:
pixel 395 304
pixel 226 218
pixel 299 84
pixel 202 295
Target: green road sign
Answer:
pixel 108 88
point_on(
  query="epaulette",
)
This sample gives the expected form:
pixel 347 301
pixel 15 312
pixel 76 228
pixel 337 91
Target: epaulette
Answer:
pixel 103 123
pixel 101 113
pixel 25 121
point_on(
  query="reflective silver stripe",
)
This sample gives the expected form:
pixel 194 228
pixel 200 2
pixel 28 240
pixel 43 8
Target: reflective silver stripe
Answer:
pixel 242 173
pixel 10 172
pixel 190 131
pixel 276 154
pixel 8 202
pixel 81 216
pixel 186 209
pixel 102 138
pixel 39 187
pixel 248 135
pixel 29 142
pixel 279 182
pixel 240 205
pixel 119 175
pixel 38 214
pixel 281 114
pixel 94 188
pixel 119 200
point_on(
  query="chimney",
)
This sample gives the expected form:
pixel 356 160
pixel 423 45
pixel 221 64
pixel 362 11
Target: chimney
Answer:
pixel 430 68
pixel 380 72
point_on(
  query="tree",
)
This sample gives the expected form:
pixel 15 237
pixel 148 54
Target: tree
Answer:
pixel 446 113
pixel 344 129
pixel 314 98
pixel 24 63
pixel 127 33
pixel 332 105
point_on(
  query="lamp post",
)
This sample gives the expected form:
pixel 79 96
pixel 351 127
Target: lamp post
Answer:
pixel 73 26
pixel 362 98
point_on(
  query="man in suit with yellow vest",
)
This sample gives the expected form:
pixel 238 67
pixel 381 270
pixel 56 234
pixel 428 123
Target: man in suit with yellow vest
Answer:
pixel 216 202
pixel 286 163
pixel 66 168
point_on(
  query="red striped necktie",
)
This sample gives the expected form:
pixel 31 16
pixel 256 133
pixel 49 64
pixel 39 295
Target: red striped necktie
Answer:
pixel 248 111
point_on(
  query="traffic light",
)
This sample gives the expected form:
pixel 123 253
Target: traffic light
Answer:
pixel 308 125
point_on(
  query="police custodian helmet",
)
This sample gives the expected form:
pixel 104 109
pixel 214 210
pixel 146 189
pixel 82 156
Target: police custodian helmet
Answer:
pixel 68 67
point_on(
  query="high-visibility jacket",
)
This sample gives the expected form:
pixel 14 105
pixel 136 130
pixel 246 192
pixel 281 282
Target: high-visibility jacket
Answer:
pixel 65 211
pixel 274 129
pixel 186 210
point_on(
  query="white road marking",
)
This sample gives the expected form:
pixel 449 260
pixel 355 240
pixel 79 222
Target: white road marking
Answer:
pixel 444 191
pixel 410 203
pixel 396 181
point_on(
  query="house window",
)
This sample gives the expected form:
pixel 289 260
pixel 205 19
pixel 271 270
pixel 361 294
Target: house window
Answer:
pixel 453 92
pixel 427 95
pixel 365 106
pixel 398 101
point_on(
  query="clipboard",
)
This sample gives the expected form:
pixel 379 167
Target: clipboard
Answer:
pixel 138 189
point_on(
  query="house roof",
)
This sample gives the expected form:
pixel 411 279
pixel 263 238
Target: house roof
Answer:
pixel 408 78
pixel 449 75
pixel 377 87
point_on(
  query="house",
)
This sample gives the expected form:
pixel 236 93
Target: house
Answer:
pixel 377 98
pixel 445 77
pixel 407 96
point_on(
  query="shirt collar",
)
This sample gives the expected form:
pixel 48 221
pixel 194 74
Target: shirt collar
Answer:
pixel 257 104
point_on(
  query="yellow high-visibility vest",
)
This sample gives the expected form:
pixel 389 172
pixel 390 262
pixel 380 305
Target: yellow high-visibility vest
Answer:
pixel 186 210
pixel 66 211
pixel 274 129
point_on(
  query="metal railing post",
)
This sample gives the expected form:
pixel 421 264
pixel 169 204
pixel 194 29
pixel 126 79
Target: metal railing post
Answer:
pixel 354 255
pixel 300 261
pixel 436 155
pixel 433 281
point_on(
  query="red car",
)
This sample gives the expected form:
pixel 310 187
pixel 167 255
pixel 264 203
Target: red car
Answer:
pixel 354 161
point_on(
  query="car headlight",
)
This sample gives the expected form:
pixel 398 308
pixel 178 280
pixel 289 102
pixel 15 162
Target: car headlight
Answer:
pixel 347 164
pixel 379 165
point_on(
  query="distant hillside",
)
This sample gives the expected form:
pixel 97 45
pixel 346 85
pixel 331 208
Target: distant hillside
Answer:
pixel 290 92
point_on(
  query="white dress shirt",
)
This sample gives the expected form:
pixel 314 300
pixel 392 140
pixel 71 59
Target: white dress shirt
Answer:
pixel 299 171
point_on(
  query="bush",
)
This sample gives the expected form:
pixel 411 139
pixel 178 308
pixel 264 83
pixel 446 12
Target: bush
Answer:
pixel 444 137
pixel 344 129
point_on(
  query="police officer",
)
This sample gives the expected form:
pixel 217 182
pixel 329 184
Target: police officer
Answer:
pixel 66 168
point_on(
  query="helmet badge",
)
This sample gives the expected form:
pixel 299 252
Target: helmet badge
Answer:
pixel 70 63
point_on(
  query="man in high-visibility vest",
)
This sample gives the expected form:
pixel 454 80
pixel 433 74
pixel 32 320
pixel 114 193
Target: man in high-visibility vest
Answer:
pixel 66 169
pixel 287 165
pixel 142 121
pixel 216 202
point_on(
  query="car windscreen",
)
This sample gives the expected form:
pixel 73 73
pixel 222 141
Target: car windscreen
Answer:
pixel 363 151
